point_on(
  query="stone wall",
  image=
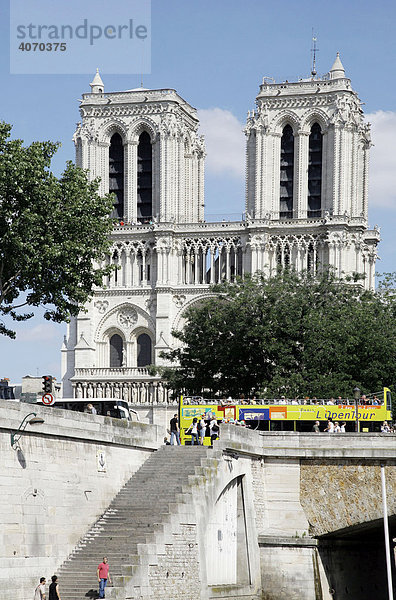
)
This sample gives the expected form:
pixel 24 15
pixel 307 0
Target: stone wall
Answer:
pixel 350 491
pixel 312 485
pixel 56 483
pixel 66 471
pixel 291 569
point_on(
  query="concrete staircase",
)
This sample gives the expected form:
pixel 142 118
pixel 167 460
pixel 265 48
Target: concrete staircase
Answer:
pixel 135 519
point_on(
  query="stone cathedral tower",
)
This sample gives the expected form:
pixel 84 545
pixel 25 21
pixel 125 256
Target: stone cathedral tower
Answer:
pixel 306 205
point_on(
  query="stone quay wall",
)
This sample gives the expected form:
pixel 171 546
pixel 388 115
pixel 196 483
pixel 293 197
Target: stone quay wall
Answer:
pixel 56 483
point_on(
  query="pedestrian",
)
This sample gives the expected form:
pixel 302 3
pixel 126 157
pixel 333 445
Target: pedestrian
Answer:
pixel 103 576
pixel 343 427
pixel 214 431
pixel 385 427
pixel 174 431
pixel 39 592
pixel 202 430
pixel 316 428
pixel 91 409
pixel 337 428
pixel 193 429
pixel 330 426
pixel 54 589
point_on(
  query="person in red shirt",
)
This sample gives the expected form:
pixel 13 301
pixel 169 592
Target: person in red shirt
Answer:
pixel 103 576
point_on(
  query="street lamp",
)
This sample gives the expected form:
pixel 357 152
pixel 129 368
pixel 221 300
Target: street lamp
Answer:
pixel 35 420
pixel 356 395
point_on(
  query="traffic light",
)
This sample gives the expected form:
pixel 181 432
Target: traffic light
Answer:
pixel 47 384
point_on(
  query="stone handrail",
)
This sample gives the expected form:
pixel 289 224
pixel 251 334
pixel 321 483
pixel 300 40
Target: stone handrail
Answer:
pixel 113 372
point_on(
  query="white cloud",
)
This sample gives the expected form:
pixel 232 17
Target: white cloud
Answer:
pixel 225 142
pixel 382 159
pixel 225 145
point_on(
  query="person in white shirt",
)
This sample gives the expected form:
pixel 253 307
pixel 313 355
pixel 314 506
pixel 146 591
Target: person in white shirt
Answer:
pixel 337 428
pixel 330 426
pixel 342 427
pixel 193 429
pixel 39 592
pixel 202 430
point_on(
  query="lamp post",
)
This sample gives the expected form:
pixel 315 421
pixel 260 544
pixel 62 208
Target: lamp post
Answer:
pixel 356 395
pixel 35 420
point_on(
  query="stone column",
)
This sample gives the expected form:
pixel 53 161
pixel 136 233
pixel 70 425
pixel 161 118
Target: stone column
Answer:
pixel 337 167
pixel 212 267
pixel 103 152
pixel 301 144
pixel 144 273
pixel 275 188
pixel 130 188
pixel 196 265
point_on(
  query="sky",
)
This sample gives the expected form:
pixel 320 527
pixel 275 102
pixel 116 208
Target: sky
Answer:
pixel 214 53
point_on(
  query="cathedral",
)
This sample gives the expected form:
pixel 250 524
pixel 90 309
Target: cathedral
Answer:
pixel 306 205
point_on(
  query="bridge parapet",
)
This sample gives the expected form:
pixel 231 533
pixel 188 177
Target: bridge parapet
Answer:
pixel 378 446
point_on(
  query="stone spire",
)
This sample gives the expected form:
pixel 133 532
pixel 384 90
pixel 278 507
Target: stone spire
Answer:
pixel 97 85
pixel 337 71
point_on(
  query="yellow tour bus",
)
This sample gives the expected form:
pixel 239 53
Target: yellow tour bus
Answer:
pixel 285 415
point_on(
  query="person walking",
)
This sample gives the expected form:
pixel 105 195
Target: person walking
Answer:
pixel 193 429
pixel 54 589
pixel 39 592
pixel 174 430
pixel 103 576
pixel 316 428
pixel 214 431
pixel 330 426
pixel 202 430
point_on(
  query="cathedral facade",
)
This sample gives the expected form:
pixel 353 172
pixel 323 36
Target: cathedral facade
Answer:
pixel 306 204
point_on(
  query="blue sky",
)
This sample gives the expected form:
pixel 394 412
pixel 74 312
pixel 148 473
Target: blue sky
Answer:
pixel 215 54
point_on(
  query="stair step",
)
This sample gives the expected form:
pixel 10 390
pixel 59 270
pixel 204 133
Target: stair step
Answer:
pixel 135 517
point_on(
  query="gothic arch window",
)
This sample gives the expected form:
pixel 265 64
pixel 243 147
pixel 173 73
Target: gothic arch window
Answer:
pixel 116 174
pixel 116 350
pixel 286 173
pixel 143 350
pixel 315 171
pixel 144 178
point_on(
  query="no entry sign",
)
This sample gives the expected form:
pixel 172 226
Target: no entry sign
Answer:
pixel 48 399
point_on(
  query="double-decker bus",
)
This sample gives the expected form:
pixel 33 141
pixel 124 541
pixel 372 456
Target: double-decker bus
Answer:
pixel 287 415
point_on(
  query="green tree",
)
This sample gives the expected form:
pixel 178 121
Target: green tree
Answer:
pixel 290 334
pixel 52 232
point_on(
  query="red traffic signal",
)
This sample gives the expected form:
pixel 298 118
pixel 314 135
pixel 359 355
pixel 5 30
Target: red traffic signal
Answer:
pixel 47 384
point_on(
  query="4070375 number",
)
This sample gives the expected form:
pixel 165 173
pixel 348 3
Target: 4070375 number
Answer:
pixel 42 47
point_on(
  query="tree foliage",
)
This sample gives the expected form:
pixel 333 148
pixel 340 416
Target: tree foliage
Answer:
pixel 52 231
pixel 291 334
